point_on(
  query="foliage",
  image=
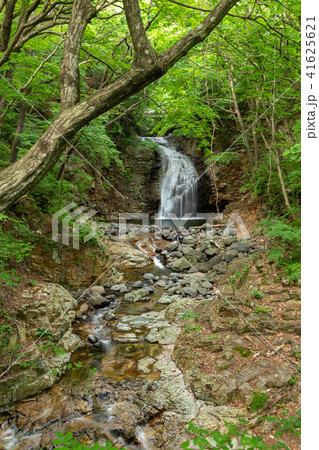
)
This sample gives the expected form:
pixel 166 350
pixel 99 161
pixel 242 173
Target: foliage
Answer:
pixel 285 248
pixel 258 401
pixel 223 441
pixel 16 244
pixel 256 294
pixel 215 440
pixel 291 424
pixel 65 442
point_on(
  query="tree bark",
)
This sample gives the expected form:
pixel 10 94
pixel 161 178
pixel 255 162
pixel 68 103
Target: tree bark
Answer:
pixel 7 24
pixel 19 130
pixel 22 176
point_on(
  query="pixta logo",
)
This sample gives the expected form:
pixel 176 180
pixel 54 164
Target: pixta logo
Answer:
pixel 73 216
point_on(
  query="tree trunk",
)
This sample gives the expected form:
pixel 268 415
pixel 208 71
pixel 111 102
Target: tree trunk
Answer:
pixel 19 130
pixel 22 176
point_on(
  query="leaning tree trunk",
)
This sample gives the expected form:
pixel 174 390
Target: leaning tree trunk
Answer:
pixel 22 176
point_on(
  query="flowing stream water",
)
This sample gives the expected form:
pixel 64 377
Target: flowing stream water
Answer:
pixel 79 401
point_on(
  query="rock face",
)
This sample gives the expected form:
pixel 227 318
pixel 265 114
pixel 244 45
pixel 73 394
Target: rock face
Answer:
pixel 50 311
pixel 69 266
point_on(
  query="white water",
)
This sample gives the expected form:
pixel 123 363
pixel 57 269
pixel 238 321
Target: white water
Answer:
pixel 178 183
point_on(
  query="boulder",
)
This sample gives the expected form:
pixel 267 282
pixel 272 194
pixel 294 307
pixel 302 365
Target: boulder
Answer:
pixel 118 287
pixel 240 247
pixel 189 240
pixel 231 254
pixel 189 291
pixel 180 264
pixel 211 251
pixel 137 284
pixel 172 246
pixel 149 276
pixel 98 300
pixel 98 289
pixel 215 260
pixel 136 296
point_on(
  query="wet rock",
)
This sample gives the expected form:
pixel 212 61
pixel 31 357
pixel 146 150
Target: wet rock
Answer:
pixel 149 289
pixel 118 287
pixel 144 364
pixel 92 339
pixel 138 284
pixel 99 289
pixel 52 305
pixel 82 310
pixel 110 315
pixel 98 300
pixel 149 276
pixel 125 338
pixel 166 299
pixel 160 283
pixel 136 296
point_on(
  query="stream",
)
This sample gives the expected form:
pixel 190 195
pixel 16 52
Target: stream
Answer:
pixel 104 395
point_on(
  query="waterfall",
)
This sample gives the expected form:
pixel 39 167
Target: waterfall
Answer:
pixel 178 183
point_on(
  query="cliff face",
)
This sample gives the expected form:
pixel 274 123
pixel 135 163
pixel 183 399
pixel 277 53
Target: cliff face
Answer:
pixel 138 188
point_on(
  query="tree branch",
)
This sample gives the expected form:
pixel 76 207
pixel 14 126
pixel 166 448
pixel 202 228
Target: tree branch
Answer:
pixel 144 53
pixel 82 13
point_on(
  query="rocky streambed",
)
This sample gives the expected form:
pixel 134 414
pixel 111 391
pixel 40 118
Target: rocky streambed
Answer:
pixel 159 346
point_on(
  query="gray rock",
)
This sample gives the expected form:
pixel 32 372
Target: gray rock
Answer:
pixel 211 251
pixel 203 267
pixel 118 287
pixel 215 260
pixel 240 247
pixel 138 284
pixel 172 246
pixel 220 268
pixel 180 264
pixel 231 254
pixel 128 337
pixel 149 289
pixel 98 300
pixel 136 296
pixel 160 283
pixel 98 289
pixel 189 291
pixel 165 232
pixel 92 339
pixel 166 299
pixel 110 315
pixel 149 276
pixel 189 240
pixel 230 240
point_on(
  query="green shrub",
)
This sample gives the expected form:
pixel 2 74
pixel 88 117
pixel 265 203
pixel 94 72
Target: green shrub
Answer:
pixel 285 249
pixel 256 294
pixel 258 400
pixel 65 442
pixel 15 246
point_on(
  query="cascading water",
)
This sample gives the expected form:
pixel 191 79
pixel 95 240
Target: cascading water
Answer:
pixel 178 183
